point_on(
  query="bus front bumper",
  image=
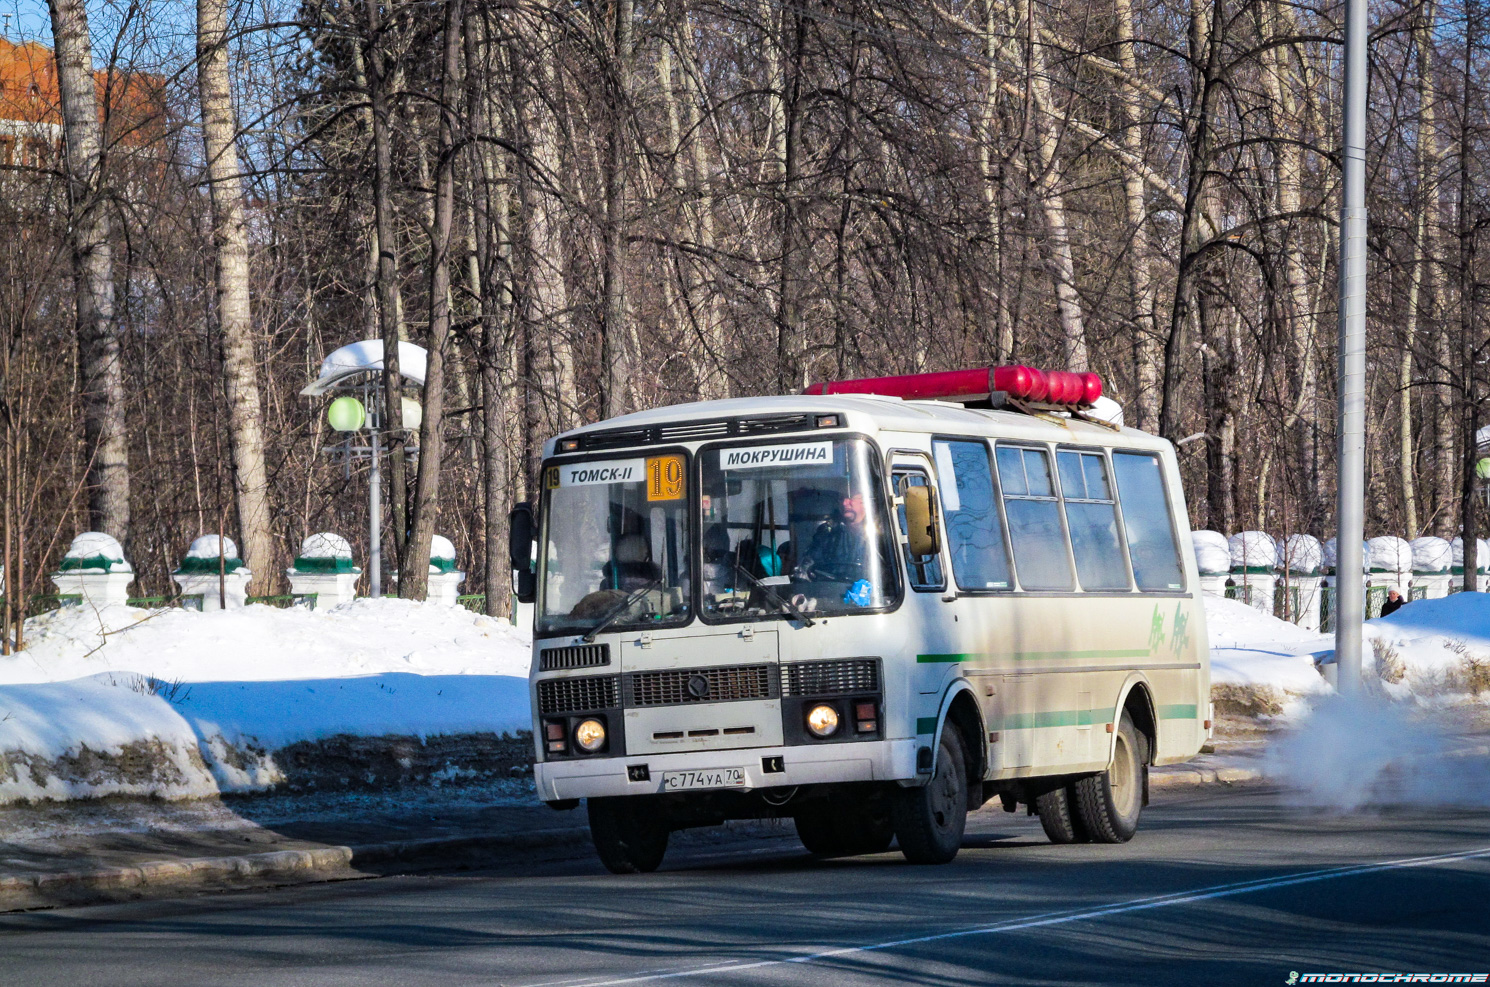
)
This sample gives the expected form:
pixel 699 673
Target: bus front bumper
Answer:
pixel 601 777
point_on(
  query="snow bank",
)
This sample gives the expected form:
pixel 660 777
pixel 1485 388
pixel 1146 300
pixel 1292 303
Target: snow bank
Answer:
pixel 175 703
pixel 1252 648
pixel 1433 637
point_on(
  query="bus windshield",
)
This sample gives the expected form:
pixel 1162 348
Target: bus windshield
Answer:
pixel 799 523
pixel 615 545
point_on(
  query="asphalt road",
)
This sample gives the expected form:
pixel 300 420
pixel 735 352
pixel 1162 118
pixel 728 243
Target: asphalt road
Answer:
pixel 1219 887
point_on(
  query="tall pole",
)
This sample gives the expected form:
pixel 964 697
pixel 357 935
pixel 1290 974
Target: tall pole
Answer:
pixel 375 520
pixel 1350 509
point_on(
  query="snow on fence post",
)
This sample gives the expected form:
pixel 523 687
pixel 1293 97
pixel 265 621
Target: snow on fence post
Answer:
pixel 1254 560
pixel 1482 564
pixel 324 571
pixel 1331 584
pixel 1301 563
pixel 444 577
pixel 94 571
pixel 216 575
pixel 1213 560
pixel 1388 564
pixel 1431 559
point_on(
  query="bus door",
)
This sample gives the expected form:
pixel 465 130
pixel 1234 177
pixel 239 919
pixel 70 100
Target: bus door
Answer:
pixel 931 635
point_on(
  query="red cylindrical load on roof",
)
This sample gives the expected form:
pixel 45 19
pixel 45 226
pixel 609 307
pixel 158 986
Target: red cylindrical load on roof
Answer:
pixel 1021 383
pixel 1039 385
pixel 945 384
pixel 1092 389
pixel 1056 393
pixel 1075 385
pixel 1014 381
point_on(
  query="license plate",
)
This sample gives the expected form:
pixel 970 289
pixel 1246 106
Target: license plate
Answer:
pixel 681 781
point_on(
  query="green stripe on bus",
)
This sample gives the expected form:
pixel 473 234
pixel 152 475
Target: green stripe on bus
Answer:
pixel 1035 655
pixel 926 724
pixel 1177 711
pixel 1055 718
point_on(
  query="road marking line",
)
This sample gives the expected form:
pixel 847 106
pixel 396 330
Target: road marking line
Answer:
pixel 1062 918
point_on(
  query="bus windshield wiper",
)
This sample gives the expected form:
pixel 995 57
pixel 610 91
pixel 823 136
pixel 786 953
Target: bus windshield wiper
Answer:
pixel 620 608
pixel 779 600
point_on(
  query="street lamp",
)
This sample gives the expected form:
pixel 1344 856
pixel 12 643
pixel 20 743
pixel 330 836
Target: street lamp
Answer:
pixel 354 373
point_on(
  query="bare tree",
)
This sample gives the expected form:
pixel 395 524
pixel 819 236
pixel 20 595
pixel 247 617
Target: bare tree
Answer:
pixel 99 364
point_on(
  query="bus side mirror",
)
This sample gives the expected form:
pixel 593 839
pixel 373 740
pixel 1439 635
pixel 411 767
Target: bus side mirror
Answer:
pixel 520 530
pixel 921 533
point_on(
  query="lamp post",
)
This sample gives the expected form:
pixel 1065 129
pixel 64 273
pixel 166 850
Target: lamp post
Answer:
pixel 355 374
pixel 1351 488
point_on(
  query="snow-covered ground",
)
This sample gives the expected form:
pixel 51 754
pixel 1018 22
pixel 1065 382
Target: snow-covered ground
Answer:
pixel 204 697
pixel 178 704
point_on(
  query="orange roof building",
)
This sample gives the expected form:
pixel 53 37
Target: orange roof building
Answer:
pixel 131 105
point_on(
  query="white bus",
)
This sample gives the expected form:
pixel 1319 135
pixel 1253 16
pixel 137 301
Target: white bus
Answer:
pixel 869 611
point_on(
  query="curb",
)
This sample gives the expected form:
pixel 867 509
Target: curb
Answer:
pixel 1194 777
pixel 301 866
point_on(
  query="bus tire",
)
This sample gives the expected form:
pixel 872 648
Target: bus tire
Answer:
pixel 844 828
pixel 1111 801
pixel 929 820
pixel 628 839
pixel 1059 816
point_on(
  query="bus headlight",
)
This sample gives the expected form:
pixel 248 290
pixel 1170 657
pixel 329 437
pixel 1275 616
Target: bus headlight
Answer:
pixel 590 735
pixel 822 720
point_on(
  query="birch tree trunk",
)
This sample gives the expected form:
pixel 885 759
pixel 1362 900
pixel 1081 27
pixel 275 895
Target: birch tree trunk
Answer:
pixel 1423 290
pixel 1146 348
pixel 234 311
pixel 102 376
pixel 1049 175
pixel 413 580
pixel 993 186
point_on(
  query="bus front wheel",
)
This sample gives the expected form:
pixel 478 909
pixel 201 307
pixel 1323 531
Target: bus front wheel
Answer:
pixel 929 820
pixel 628 838
pixel 1110 801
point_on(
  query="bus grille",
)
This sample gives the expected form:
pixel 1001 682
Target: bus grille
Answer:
pixel 698 685
pixel 579 656
pixel 576 695
pixel 825 678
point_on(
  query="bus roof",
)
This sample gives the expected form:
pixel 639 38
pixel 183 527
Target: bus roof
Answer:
pixel 782 415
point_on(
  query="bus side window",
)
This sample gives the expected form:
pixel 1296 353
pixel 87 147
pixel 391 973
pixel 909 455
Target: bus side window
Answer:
pixel 1040 556
pixel 1148 521
pixel 975 534
pixel 925 570
pixel 1091 517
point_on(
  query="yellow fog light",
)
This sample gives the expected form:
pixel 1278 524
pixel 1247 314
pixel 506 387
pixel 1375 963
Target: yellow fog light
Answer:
pixel 823 721
pixel 590 736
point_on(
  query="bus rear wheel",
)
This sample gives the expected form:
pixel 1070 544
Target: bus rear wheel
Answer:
pixel 845 828
pixel 1059 816
pixel 929 820
pixel 628 838
pixel 1111 801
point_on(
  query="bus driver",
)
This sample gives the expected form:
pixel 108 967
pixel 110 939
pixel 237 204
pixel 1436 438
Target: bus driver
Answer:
pixel 839 546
